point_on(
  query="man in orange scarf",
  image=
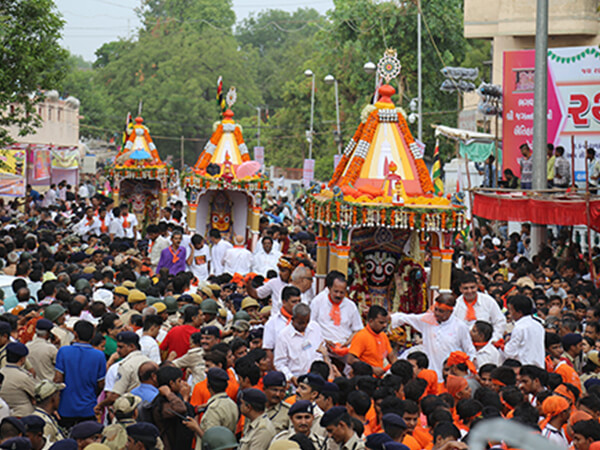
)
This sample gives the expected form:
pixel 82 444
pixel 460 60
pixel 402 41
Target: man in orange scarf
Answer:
pixel 473 305
pixel 290 297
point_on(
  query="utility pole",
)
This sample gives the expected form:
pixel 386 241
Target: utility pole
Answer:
pixel 540 114
pixel 258 126
pixel 419 74
pixel 181 146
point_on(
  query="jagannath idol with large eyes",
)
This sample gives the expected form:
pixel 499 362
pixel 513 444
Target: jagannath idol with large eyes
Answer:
pixel 225 187
pixel 378 220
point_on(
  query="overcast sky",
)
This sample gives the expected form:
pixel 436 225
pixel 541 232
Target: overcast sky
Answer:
pixel 90 23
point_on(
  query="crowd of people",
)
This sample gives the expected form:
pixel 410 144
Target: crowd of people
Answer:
pixel 116 337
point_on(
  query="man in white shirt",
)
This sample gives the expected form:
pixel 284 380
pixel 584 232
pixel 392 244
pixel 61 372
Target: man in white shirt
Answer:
pixel 442 332
pixel 148 344
pixel 337 315
pixel 290 297
pixel 89 225
pixel 103 221
pixel 156 244
pixel 266 258
pixel 486 352
pixel 217 252
pixel 199 258
pixel 115 228
pixel 473 305
pixel 526 342
pixel 302 278
pixel 129 223
pixel 83 192
pixel 273 287
pixel 50 196
pixel 298 345
pixel 238 259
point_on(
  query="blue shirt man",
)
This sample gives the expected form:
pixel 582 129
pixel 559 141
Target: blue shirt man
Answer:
pixel 82 368
pixel 148 389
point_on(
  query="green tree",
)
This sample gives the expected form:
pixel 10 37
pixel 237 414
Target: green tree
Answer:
pixel 32 61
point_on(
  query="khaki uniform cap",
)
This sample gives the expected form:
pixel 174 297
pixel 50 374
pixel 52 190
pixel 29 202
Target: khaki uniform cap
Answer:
pixel 129 284
pixel 47 388
pixel 122 290
pixel 197 298
pixel 249 302
pixel 160 307
pixel 126 403
pixel 136 296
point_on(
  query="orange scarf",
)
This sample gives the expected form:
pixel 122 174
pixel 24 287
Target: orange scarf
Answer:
pixel 479 345
pixel 125 222
pixel 103 227
pixel 470 310
pixel 150 245
pixel 174 255
pixel 287 315
pixel 89 222
pixel 335 313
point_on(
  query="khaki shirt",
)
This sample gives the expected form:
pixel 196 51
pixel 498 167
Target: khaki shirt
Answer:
pixel 193 361
pixel 317 441
pixel 354 443
pixel 127 376
pixel 126 316
pixel 115 436
pixel 258 434
pixel 17 390
pixel 65 337
pixel 215 323
pixel 42 356
pixel 278 415
pixel 52 431
pixel 221 411
pixel 3 356
pixel 122 309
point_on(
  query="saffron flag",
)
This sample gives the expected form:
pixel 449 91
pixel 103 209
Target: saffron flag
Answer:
pixel 436 171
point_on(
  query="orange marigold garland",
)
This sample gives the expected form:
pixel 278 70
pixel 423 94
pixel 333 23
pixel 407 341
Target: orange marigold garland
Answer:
pixel 216 136
pixel 238 135
pixel 424 177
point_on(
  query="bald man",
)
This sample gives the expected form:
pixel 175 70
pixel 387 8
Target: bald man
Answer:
pixel 238 259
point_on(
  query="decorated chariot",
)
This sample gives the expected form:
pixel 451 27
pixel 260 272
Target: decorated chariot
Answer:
pixel 225 187
pixel 378 214
pixel 140 180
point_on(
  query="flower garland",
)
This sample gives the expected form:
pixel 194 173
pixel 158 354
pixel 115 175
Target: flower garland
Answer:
pixel 346 156
pixel 216 136
pixel 432 216
pixel 358 158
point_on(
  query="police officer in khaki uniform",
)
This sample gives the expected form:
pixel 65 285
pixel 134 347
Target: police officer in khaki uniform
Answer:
pixel 128 347
pixel 193 360
pixel 56 314
pixel 125 409
pixel 341 436
pixel 137 302
pixel 42 354
pixel 220 409
pixel 47 398
pixel 5 330
pixel 258 429
pixel 18 387
pixel 210 309
pixel 173 314
pixel 277 410
pixel 120 305
pixel 301 418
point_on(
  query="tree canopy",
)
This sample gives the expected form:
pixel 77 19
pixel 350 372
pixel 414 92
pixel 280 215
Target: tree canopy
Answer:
pixel 172 65
pixel 32 61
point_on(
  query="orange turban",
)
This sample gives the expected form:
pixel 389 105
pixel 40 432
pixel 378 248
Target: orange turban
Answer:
pixel 461 358
pixel 578 416
pixel 552 407
pixel 595 445
pixel 455 384
pixel 563 391
pixel 237 278
pixel 432 381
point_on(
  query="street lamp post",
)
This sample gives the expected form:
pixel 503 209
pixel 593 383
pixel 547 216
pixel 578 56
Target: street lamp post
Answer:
pixel 309 73
pixel 329 79
pixel 370 68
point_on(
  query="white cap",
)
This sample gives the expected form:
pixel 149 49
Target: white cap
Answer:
pixel 104 296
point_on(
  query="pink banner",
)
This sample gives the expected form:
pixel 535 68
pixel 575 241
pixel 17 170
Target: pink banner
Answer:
pixel 12 187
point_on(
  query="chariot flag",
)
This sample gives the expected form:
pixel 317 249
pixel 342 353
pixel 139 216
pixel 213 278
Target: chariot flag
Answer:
pixel 220 97
pixel 436 171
